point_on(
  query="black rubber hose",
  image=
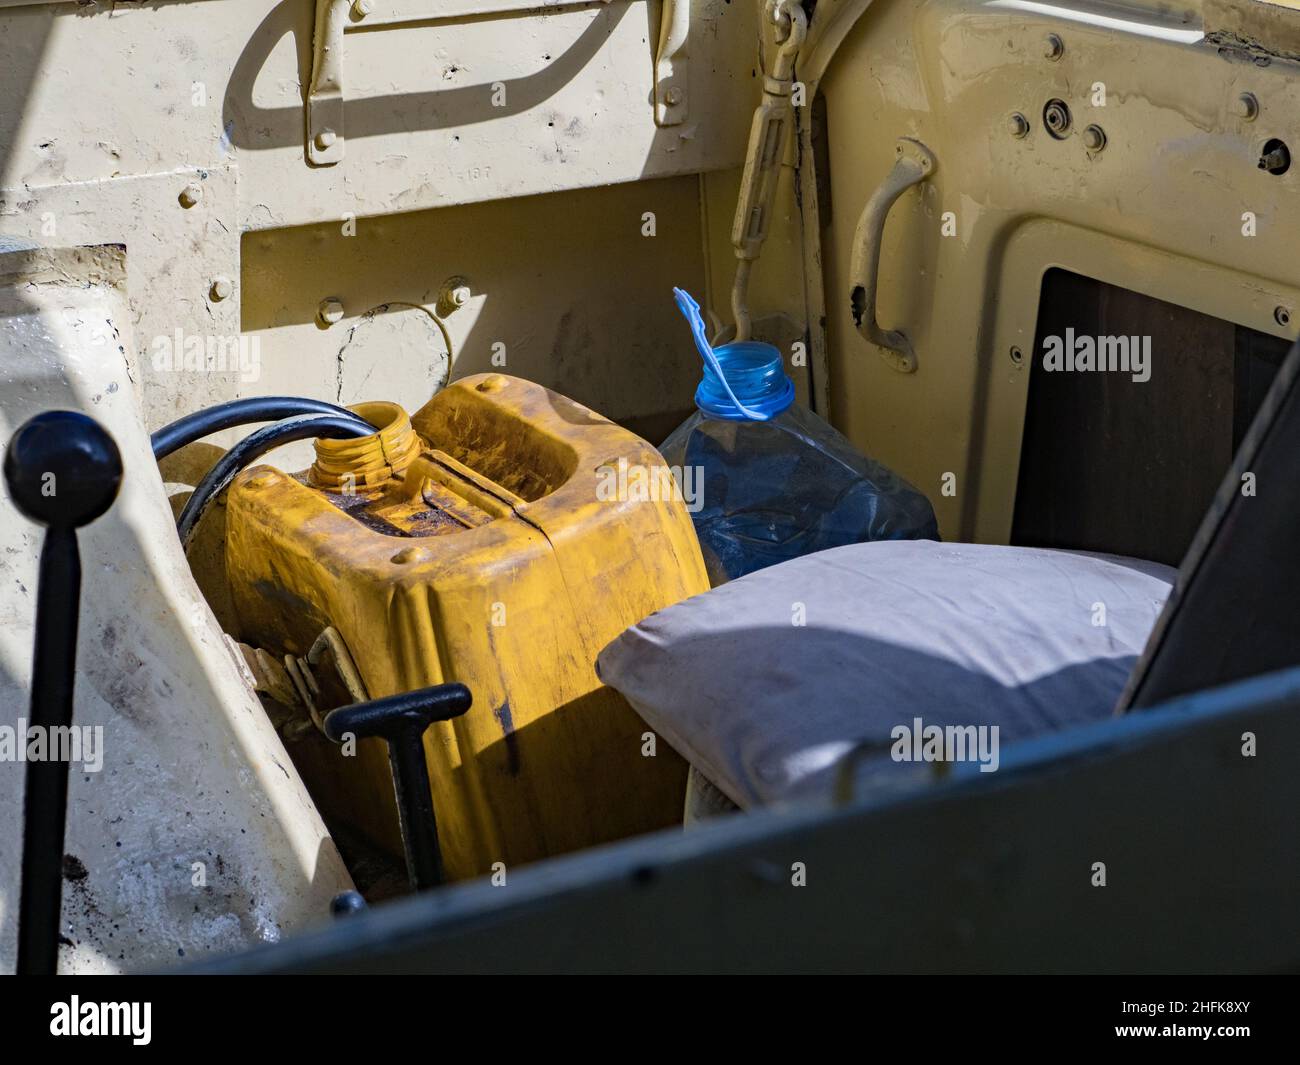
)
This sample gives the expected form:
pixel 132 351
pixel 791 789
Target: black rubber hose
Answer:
pixel 203 423
pixel 254 446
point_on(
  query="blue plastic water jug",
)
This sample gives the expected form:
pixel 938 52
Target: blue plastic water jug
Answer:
pixel 766 480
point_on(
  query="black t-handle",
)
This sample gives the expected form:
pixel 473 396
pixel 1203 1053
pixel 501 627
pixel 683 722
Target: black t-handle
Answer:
pixel 402 720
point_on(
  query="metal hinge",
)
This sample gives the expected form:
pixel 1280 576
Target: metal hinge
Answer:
pixel 672 63
pixel 325 94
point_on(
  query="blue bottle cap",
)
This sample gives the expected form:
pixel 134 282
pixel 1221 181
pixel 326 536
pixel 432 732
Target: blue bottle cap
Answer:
pixel 757 380
pixel 744 380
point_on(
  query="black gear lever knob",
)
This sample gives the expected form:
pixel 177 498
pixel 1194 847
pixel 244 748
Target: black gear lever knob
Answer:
pixel 62 469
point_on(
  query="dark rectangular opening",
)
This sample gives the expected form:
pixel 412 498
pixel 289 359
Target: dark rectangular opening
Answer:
pixel 1114 464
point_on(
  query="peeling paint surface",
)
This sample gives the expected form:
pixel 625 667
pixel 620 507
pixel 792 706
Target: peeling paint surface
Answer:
pixel 193 837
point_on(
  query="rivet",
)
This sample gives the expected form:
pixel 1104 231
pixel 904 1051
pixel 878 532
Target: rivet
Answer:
pixel 221 289
pixel 1054 47
pixel 261 478
pixel 1094 138
pixel 330 310
pixel 408 555
pixel 1282 316
pixel 362 8
pixel 190 195
pixel 1018 125
pixel 673 96
pixel 325 139
pixel 1246 106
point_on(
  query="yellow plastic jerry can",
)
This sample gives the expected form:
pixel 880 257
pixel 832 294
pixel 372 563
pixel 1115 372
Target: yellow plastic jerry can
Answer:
pixel 483 540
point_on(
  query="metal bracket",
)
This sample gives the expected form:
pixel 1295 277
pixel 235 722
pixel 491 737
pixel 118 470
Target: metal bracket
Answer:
pixel 325 94
pixel 672 63
pixel 915 163
pixel 328 661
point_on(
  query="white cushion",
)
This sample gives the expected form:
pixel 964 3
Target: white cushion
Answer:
pixel 766 682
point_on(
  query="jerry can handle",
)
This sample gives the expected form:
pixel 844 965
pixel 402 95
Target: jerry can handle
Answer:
pixel 401 720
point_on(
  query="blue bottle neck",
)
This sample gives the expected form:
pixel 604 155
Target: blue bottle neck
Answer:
pixel 757 377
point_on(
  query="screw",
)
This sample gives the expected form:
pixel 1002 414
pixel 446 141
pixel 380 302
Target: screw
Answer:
pixel 1094 138
pixel 1054 47
pixel 325 139
pixel 1056 117
pixel 1246 106
pixel 330 310
pixel 1282 316
pixel 190 195
pixel 1018 125
pixel 221 289
pixel 361 8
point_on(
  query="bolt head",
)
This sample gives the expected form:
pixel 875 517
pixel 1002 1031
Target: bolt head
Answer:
pixel 62 469
pixel 673 96
pixel 347 902
pixel 190 195
pixel 330 310
pixel 1018 125
pixel 362 8
pixel 325 139
pixel 221 289
pixel 455 292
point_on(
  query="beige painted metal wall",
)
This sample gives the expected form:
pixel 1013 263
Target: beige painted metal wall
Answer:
pixel 1161 209
pixel 179 131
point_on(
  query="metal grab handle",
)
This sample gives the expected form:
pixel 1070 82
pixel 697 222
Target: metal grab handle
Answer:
pixel 402 720
pixel 63 471
pixel 915 163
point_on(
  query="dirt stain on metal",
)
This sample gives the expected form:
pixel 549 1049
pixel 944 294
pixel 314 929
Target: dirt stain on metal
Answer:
pixel 502 715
